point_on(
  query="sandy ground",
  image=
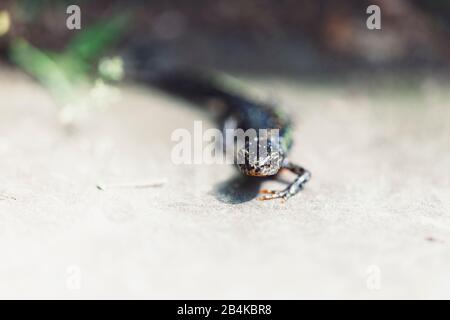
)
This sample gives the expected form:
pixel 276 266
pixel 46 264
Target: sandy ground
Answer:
pixel 373 223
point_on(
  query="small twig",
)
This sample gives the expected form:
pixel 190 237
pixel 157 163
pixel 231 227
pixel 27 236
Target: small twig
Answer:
pixel 145 185
pixel 6 197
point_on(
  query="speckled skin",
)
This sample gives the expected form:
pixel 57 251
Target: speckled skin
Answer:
pixel 244 114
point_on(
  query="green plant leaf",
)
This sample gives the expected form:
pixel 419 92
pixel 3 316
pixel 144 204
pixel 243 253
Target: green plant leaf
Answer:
pixel 91 43
pixel 42 67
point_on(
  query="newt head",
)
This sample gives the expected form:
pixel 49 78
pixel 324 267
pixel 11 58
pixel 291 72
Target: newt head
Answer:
pixel 261 160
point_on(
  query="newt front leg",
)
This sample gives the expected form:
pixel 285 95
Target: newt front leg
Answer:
pixel 303 176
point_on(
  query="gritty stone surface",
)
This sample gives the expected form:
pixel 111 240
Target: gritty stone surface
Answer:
pixel 373 223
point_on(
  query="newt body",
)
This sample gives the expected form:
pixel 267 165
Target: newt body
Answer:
pixel 243 113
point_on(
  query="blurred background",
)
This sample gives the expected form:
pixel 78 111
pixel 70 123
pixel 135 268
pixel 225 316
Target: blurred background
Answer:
pixel 371 108
pixel 289 37
pixel 310 41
